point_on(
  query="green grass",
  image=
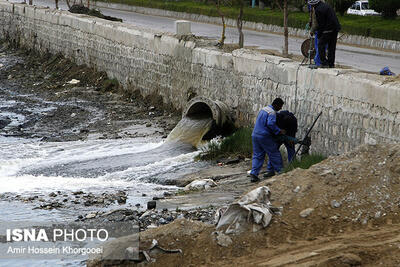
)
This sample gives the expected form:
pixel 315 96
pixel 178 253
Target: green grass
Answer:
pixel 239 143
pixel 375 26
pixel 305 162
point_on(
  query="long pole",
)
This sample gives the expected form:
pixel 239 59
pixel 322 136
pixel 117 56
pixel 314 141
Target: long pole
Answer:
pixel 308 132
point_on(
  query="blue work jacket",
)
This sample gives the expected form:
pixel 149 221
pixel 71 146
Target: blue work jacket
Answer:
pixel 266 123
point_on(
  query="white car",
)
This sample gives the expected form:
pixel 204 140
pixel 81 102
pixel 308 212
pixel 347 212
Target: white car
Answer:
pixel 361 8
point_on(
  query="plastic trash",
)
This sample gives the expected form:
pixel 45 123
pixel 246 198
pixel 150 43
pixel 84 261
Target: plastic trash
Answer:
pixel 386 71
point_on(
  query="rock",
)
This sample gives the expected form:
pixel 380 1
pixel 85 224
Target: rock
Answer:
pixel 158 198
pixel 351 259
pixel 148 124
pixel 348 259
pixel 91 215
pixel 170 218
pixel 223 240
pixel 73 115
pixel 145 214
pixel 335 204
pixel 4 121
pixel 151 204
pixel 297 189
pixel 121 199
pixel 77 193
pixel 144 195
pixel 162 221
pixel 377 215
pixel 167 194
pixel 230 161
pixel 200 184
pixel 73 81
pixel 305 213
pixel 151 226
pixel 52 194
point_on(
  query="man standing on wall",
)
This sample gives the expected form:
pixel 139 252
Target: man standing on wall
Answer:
pixel 263 139
pixel 328 27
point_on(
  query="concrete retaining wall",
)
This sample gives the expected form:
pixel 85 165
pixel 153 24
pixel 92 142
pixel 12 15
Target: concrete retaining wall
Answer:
pixel 357 108
pixel 344 39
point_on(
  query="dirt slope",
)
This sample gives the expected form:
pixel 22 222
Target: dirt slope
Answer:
pixel 355 221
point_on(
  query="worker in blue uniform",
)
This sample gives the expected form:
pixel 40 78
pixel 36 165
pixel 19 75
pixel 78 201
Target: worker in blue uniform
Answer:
pixel 263 139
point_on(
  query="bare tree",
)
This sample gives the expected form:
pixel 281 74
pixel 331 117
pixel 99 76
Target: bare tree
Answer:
pixel 239 20
pixel 239 23
pixel 68 4
pixel 285 50
pixel 285 29
pixel 222 15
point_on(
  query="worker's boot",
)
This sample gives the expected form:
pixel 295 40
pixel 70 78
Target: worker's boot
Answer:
pixel 254 178
pixel 268 174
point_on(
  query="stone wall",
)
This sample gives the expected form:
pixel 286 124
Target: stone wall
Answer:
pixel 357 107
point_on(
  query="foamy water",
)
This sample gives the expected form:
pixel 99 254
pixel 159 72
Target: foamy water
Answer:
pixel 19 156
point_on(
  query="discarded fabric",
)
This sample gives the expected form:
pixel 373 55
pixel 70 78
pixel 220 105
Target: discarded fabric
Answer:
pixel 252 212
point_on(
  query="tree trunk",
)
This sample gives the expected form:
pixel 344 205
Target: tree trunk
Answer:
pixel 88 4
pixel 286 32
pixel 240 24
pixel 56 4
pixel 30 2
pixel 222 40
pixel 68 4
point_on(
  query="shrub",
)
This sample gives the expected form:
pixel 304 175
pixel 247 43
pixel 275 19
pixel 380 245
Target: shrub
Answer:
pixel 341 6
pixel 305 162
pixel 239 143
pixel 387 7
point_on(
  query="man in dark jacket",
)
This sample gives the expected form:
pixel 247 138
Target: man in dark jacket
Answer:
pixel 328 29
pixel 287 121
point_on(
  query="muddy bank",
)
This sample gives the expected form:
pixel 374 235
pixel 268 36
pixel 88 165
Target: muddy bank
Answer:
pixel 82 103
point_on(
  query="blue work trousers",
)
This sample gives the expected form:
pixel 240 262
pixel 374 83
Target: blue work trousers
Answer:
pixel 265 145
pixel 290 151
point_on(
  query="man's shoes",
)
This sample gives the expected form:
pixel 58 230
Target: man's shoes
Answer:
pixel 254 178
pixel 268 174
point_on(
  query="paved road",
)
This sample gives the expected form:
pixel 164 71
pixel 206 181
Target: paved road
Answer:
pixel 359 58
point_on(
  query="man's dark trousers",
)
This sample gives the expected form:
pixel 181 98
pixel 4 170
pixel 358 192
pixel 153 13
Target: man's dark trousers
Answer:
pixel 330 39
